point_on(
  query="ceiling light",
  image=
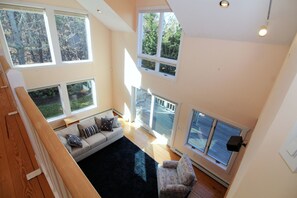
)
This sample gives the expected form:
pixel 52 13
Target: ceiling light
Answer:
pixel 263 31
pixel 224 4
pixel 99 11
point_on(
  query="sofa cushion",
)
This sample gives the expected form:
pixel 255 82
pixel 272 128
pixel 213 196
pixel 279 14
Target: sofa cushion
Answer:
pixel 185 170
pixel 111 134
pixel 84 124
pixel 106 124
pixel 73 140
pixel 64 142
pixel 69 130
pixel 91 130
pixel 95 140
pixel 78 151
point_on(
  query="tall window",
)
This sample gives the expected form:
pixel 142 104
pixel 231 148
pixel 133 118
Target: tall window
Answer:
pixel 210 136
pixel 48 101
pixel 81 94
pixel 26 35
pixel 154 113
pixel 72 33
pixel 158 42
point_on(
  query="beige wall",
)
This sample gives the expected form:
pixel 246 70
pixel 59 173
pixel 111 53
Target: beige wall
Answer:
pixel 126 10
pixel 99 68
pixel 229 80
pixel 263 173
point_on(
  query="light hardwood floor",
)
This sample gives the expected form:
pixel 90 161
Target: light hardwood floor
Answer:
pixel 206 187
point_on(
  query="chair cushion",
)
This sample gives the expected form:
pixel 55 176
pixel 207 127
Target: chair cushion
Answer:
pixel 185 171
pixel 167 176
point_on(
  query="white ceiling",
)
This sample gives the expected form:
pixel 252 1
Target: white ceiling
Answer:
pixel 241 21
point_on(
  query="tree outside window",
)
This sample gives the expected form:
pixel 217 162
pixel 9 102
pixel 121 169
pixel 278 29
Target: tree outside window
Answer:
pixel 48 101
pixel 72 37
pixel 26 35
pixel 159 41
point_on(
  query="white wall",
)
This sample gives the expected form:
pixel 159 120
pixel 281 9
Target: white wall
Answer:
pixel 99 68
pixel 263 173
pixel 229 80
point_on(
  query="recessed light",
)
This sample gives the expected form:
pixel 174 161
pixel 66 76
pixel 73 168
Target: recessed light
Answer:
pixel 99 11
pixel 224 4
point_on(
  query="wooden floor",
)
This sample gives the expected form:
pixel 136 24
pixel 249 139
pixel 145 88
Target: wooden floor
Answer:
pixel 17 158
pixel 206 187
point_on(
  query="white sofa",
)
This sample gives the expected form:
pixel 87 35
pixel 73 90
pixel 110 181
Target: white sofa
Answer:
pixel 93 143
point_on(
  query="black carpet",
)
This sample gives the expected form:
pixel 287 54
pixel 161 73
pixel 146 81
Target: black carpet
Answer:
pixel 121 170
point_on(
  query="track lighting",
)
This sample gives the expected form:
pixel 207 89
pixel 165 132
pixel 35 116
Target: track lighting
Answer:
pixel 263 29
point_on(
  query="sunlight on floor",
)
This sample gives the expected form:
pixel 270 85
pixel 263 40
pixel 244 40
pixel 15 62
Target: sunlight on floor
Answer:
pixel 139 165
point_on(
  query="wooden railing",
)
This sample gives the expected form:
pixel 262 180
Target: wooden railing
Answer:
pixel 76 183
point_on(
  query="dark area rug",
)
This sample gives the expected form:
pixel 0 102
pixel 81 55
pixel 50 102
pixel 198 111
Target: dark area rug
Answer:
pixel 122 170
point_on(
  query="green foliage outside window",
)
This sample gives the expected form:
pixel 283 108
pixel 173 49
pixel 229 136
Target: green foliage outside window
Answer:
pixel 26 37
pixel 72 37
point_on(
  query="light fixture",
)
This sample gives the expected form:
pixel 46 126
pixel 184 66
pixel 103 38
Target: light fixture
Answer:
pixel 224 4
pixel 99 11
pixel 263 29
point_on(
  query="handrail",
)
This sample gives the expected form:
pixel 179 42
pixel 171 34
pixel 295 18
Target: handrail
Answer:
pixel 76 182
pixel 5 64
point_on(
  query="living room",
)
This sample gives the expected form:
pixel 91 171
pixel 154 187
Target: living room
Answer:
pixel 229 80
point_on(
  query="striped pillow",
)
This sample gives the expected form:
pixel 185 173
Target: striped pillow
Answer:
pixel 91 130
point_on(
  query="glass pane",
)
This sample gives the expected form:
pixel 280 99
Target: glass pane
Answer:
pixel 80 95
pixel 48 101
pixel 199 131
pixel 143 106
pixel 26 37
pixel 72 37
pixel 150 24
pixel 218 149
pixel 163 117
pixel 171 36
pixel 167 69
pixel 148 64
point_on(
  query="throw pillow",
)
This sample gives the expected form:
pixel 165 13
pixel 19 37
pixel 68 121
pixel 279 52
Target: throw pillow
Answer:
pixel 106 124
pixel 89 131
pixel 98 122
pixel 116 123
pixel 73 140
pixel 64 142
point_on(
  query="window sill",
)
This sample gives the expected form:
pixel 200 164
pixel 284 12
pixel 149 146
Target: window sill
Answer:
pixel 159 74
pixel 209 159
pixel 83 109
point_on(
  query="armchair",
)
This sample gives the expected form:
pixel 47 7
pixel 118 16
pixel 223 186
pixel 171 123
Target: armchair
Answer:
pixel 176 178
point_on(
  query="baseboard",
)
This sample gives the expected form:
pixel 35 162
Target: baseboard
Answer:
pixel 210 174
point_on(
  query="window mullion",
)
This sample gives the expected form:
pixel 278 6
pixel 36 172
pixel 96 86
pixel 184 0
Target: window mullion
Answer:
pixel 210 136
pixel 53 38
pixel 152 109
pixel 160 32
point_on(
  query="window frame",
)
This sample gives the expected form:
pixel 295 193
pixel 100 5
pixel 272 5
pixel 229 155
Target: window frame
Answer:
pixel 27 8
pixel 88 34
pixel 61 100
pixel 52 35
pixel 94 96
pixel 155 58
pixel 204 154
